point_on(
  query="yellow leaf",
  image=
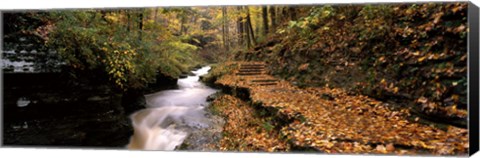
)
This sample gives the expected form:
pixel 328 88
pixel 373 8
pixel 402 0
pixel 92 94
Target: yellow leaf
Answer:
pixel 421 59
pixel 416 53
pixel 455 97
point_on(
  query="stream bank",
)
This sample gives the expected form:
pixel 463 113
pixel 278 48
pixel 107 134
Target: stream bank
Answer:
pixel 43 110
pixel 49 109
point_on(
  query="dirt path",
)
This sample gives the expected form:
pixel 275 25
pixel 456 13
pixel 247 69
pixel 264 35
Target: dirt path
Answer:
pixel 333 121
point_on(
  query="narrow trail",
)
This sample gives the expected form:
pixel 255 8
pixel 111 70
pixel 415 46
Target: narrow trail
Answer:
pixel 331 120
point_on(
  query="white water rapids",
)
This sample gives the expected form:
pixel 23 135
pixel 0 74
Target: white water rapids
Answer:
pixel 164 124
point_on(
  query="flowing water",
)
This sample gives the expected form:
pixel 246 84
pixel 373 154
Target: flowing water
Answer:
pixel 172 115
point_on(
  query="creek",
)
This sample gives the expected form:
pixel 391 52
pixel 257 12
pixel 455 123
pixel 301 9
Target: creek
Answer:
pixel 176 116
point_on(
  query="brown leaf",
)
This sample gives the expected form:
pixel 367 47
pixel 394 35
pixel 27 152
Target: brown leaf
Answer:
pixel 437 18
pixel 381 148
pixel 390 147
pixel 303 67
pixel 422 100
pixel 460 28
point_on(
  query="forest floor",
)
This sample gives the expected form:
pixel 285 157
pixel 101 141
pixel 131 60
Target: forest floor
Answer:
pixel 264 113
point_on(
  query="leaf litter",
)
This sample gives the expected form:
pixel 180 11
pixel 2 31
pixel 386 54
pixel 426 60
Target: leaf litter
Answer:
pixel 328 120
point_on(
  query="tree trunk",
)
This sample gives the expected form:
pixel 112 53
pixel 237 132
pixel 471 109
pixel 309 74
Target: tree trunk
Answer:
pixel 246 30
pixel 250 28
pixel 104 13
pixel 128 20
pixel 273 18
pixel 246 34
pixel 155 16
pixel 293 14
pixel 284 13
pixel 181 26
pixel 240 27
pixel 224 29
pixel 265 20
pixel 140 25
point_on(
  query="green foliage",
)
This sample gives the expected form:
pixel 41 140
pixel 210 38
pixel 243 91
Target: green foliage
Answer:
pixel 267 126
pixel 86 42
pixel 306 25
pixel 375 21
pixel 108 42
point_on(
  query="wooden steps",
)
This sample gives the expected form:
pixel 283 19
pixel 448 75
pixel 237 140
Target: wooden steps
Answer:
pixel 249 73
pixel 251 70
pixel 256 73
pixel 264 80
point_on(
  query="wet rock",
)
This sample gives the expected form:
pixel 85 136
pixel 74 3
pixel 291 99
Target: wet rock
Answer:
pixel 97 98
pixel 22 102
pixel 60 115
pixel 183 76
pixel 204 139
pixel 213 96
pixel 197 67
pixel 133 101
pixel 162 82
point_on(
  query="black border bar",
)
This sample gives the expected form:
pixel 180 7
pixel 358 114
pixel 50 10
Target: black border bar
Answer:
pixel 473 99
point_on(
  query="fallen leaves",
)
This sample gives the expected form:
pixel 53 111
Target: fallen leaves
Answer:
pixel 244 131
pixel 330 120
pixel 303 67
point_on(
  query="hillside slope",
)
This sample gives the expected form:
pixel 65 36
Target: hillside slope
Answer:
pixel 413 55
